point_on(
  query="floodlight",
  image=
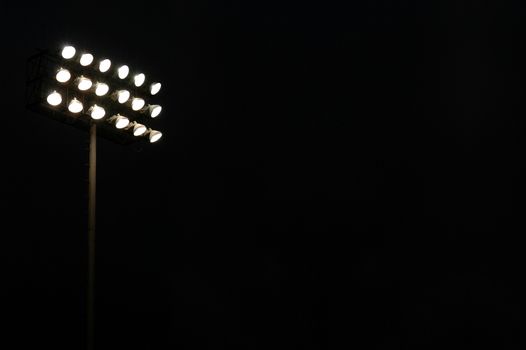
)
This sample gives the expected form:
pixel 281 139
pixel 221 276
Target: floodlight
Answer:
pixel 92 92
pixel 155 135
pixel 139 79
pixel 154 110
pixel 97 112
pixel 84 83
pixel 101 89
pixel 75 106
pixel 86 59
pixel 138 129
pixel 120 121
pixel 155 88
pixel 123 71
pixel 68 52
pixel 104 65
pixel 137 103
pixel 54 98
pixel 63 75
pixel 123 96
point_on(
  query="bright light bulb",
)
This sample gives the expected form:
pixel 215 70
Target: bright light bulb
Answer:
pixel 54 98
pixel 104 65
pixel 84 83
pixel 97 112
pixel 68 52
pixel 86 59
pixel 123 96
pixel 137 103
pixel 155 110
pixel 139 129
pixel 123 71
pixel 101 89
pixel 75 106
pixel 155 88
pixel 121 122
pixel 63 75
pixel 155 136
pixel 139 79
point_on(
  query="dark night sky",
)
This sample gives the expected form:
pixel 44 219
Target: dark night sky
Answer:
pixel 328 172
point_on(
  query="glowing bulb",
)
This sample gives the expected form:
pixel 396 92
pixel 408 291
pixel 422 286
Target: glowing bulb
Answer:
pixel 101 89
pixel 155 136
pixel 121 122
pixel 123 96
pixel 139 79
pixel 104 65
pixel 155 110
pixel 123 71
pixel 63 75
pixel 86 59
pixel 68 52
pixel 84 83
pixel 137 103
pixel 54 98
pixel 138 129
pixel 155 88
pixel 97 112
pixel 75 106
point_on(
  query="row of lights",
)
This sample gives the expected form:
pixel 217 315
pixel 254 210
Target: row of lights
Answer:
pixel 86 59
pixel 122 96
pixel 97 112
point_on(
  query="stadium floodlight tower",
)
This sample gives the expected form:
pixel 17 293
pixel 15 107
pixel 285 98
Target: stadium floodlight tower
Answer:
pixel 76 87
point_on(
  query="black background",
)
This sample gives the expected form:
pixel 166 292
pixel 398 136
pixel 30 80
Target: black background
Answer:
pixel 328 173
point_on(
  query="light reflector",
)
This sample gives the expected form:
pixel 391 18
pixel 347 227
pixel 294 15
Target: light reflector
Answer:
pixel 75 106
pixel 84 83
pixel 155 88
pixel 63 75
pixel 123 71
pixel 139 79
pixel 137 103
pixel 97 112
pixel 123 96
pixel 138 129
pixel 68 52
pixel 155 110
pixel 104 65
pixel 121 122
pixel 155 136
pixel 86 59
pixel 54 98
pixel 101 89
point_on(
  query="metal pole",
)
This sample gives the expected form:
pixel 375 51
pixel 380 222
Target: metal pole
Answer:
pixel 91 236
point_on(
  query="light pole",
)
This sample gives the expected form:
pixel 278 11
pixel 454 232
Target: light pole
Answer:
pixel 74 87
pixel 92 192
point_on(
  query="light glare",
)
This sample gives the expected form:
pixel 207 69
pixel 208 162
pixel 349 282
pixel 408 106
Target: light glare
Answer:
pixel 63 75
pixel 155 88
pixel 155 136
pixel 75 106
pixel 139 79
pixel 123 96
pixel 97 112
pixel 137 103
pixel 139 129
pixel 155 110
pixel 54 98
pixel 86 59
pixel 68 52
pixel 121 122
pixel 123 71
pixel 101 89
pixel 84 83
pixel 104 65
